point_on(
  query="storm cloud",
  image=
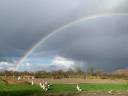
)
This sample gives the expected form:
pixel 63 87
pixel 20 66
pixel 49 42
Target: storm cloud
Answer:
pixel 101 42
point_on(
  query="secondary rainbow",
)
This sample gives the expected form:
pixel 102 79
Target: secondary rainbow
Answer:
pixel 62 28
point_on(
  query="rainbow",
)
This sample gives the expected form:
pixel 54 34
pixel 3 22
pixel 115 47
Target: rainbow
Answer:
pixel 62 28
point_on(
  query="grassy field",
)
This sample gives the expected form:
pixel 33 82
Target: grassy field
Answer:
pixel 18 90
pixel 29 90
pixel 89 87
pixel 70 89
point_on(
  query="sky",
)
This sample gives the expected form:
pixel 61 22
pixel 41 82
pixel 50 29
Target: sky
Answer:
pixel 100 43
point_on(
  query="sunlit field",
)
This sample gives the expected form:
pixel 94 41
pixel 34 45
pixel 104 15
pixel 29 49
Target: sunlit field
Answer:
pixel 60 89
pixel 17 89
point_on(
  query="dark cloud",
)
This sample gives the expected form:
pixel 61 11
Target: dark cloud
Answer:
pixel 102 41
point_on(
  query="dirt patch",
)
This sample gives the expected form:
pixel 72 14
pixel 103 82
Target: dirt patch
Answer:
pixel 102 94
pixel 9 81
pixel 87 94
pixel 60 94
pixel 77 80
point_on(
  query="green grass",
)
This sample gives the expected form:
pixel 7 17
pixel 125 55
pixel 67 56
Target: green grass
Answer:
pixel 18 90
pixel 27 90
pixel 60 88
pixel 104 87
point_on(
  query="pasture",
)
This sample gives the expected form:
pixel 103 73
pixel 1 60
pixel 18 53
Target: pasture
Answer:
pixel 17 89
pixel 61 89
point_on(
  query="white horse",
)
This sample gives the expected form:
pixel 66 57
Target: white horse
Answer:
pixel 32 83
pixel 78 88
pixel 18 78
pixel 110 91
pixel 45 88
